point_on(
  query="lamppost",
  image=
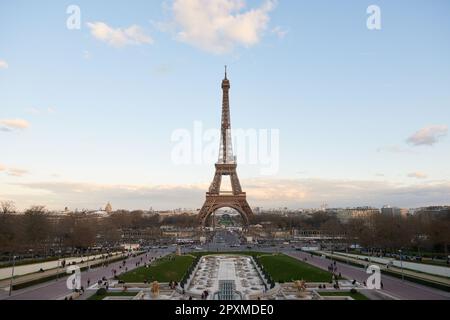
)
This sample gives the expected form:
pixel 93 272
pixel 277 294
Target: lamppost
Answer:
pixel 401 264
pixel 12 276
pixel 58 265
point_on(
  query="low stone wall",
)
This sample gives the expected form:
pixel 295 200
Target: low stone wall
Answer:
pixel 73 295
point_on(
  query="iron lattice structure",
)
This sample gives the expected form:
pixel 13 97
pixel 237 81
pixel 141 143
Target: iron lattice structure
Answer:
pixel 226 166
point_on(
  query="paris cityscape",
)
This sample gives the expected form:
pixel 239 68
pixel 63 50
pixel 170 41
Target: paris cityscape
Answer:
pixel 224 150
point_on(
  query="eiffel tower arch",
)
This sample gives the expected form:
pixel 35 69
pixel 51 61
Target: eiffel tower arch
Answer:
pixel 226 166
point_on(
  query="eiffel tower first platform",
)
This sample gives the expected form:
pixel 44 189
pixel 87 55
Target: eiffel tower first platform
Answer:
pixel 226 166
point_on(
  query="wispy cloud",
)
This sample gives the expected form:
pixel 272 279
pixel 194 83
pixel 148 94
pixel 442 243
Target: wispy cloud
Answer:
pixel 16 172
pixel 39 111
pixel 86 55
pixel 13 124
pixel 395 149
pixel 428 136
pixel 293 193
pixel 13 171
pixel 418 175
pixel 117 37
pixel 218 26
pixel 279 32
pixel 162 70
pixel 3 64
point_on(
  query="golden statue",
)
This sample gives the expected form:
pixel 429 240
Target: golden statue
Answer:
pixel 300 285
pixel 155 289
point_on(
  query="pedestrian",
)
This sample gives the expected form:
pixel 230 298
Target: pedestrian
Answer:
pixel 88 282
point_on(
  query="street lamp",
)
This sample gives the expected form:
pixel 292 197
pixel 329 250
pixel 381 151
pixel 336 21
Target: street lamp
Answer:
pixel 12 276
pixel 58 265
pixel 401 264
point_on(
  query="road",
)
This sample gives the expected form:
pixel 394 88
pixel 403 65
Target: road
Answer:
pixel 56 289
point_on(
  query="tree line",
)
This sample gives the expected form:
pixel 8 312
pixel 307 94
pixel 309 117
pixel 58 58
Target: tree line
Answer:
pixel 39 231
pixel 423 231
pixel 42 232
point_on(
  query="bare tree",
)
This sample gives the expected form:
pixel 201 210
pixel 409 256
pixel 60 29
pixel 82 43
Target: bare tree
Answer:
pixel 35 227
pixel 439 231
pixel 7 207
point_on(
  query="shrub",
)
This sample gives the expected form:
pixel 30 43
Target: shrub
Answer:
pixel 353 291
pixel 101 292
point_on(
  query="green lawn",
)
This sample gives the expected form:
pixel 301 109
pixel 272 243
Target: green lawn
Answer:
pixel 169 268
pixel 355 296
pixel 283 268
pixel 112 294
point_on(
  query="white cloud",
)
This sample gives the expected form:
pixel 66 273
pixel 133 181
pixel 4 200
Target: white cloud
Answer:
pixel 16 172
pixel 3 64
pixel 418 175
pixel 133 35
pixel 2 167
pixel 279 32
pixel 428 135
pixel 39 111
pixel 394 149
pixel 86 55
pixel 219 25
pixel 11 124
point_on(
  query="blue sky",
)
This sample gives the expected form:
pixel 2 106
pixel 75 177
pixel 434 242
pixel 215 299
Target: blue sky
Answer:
pixel 86 116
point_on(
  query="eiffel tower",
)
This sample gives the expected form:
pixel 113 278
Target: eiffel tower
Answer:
pixel 226 166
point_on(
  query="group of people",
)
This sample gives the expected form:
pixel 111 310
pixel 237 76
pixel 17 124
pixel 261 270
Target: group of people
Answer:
pixel 138 263
pixel 333 267
pixel 173 285
pixel 205 295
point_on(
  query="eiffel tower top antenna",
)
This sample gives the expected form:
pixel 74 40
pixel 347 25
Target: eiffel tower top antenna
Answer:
pixel 226 72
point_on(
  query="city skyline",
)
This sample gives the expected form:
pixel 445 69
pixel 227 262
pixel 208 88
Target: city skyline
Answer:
pixel 86 116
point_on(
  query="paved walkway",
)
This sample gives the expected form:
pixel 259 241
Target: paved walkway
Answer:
pixel 395 287
pixel 382 262
pixel 4 284
pixel 20 270
pixel 56 289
